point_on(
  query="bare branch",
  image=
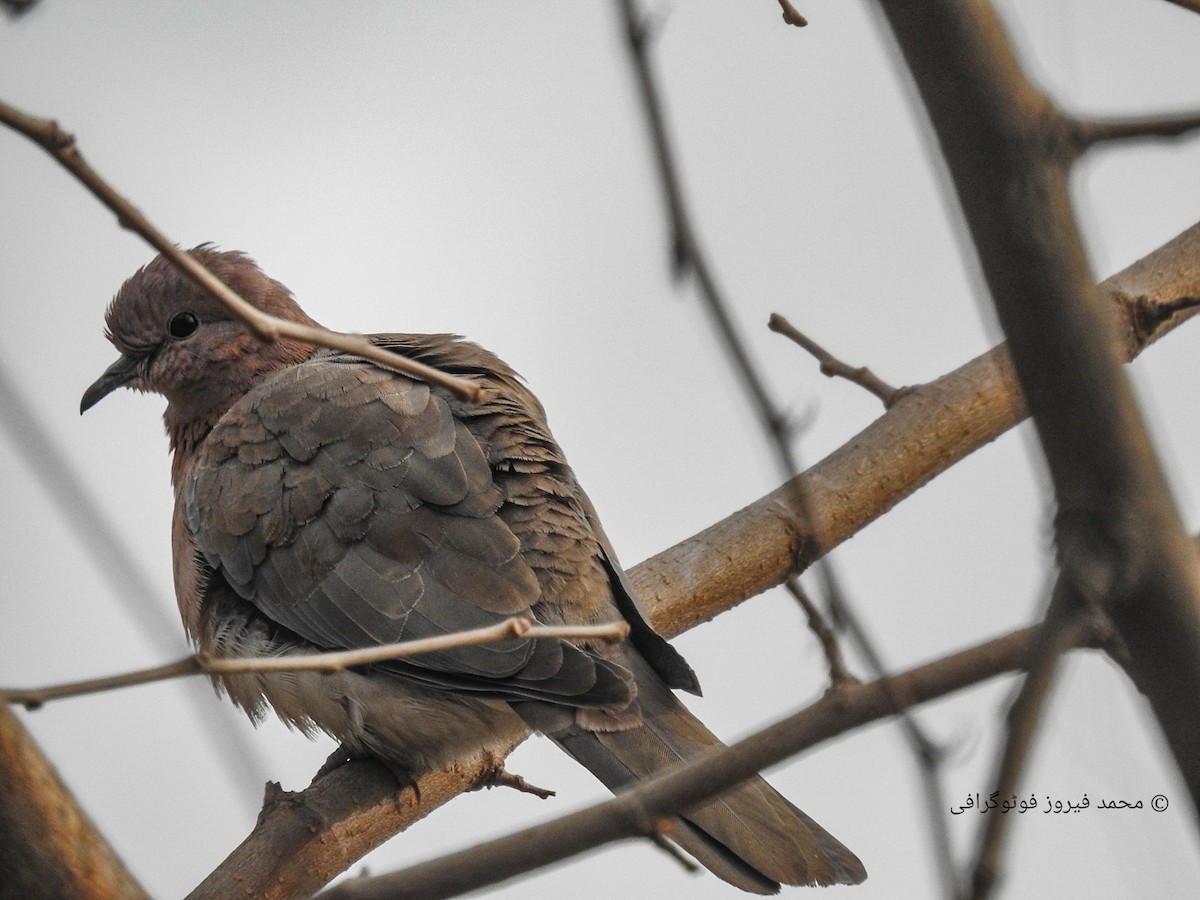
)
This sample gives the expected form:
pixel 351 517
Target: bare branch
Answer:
pixel 924 434
pixel 48 845
pixel 1063 627
pixel 838 673
pixel 1088 133
pixel 197 664
pixel 79 509
pixel 61 145
pixel 832 367
pixel 302 840
pixel 687 255
pixel 626 816
pixel 791 16
pixel 1119 535
pixel 1191 5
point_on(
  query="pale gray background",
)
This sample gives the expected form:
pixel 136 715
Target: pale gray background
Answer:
pixel 484 168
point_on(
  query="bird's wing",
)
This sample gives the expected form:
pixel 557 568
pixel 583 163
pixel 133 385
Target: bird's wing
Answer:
pixel 350 506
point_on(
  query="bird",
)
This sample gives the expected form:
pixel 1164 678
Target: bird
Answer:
pixel 324 502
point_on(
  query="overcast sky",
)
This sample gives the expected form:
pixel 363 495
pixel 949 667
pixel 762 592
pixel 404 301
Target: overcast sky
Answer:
pixel 484 169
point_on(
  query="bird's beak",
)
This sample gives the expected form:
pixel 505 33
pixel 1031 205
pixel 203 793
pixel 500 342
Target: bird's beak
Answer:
pixel 119 374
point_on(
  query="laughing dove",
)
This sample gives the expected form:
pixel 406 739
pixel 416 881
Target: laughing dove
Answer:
pixel 323 502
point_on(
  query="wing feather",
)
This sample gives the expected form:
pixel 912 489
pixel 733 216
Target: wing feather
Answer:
pixel 351 506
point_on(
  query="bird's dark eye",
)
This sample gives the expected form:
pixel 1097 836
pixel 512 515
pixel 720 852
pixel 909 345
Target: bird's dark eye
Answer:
pixel 183 325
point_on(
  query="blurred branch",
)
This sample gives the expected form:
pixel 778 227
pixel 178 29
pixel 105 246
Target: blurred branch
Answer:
pixel 925 433
pixel 61 145
pixel 79 509
pixel 688 255
pixel 199 663
pixel 838 673
pixel 48 845
pixel 1087 133
pixel 17 8
pixel 629 813
pixel 1192 5
pixel 1066 621
pixel 1121 544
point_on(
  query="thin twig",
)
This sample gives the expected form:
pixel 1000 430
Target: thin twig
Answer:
pixel 198 663
pixel 61 145
pixel 660 834
pixel 927 754
pixel 832 367
pixel 791 16
pixel 1061 630
pixel 838 673
pixel 1087 133
pixel 687 254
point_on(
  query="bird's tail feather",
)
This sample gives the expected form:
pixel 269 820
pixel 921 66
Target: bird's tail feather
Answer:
pixel 750 836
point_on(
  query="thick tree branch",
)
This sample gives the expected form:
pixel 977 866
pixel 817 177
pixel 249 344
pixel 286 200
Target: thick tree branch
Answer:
pixel 756 548
pixel 631 813
pixel 1120 540
pixel 48 845
pixel 928 430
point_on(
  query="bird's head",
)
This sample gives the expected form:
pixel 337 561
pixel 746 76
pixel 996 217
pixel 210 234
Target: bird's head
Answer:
pixel 177 340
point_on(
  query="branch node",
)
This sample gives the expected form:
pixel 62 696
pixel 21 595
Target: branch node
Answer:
pixel 832 367
pixel 791 16
pixel 519 626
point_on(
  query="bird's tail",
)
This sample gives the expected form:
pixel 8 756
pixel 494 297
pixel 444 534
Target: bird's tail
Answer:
pixel 750 836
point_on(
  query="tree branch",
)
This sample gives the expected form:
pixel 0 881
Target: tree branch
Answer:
pixel 1191 5
pixel 832 367
pixel 929 430
pixel 48 844
pixel 1088 133
pixel 630 814
pixel 1119 537
pixel 688 256
pixel 790 15
pixel 200 663
pixel 61 145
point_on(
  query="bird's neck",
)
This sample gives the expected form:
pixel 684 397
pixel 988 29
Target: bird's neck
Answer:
pixel 190 416
pixel 186 434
